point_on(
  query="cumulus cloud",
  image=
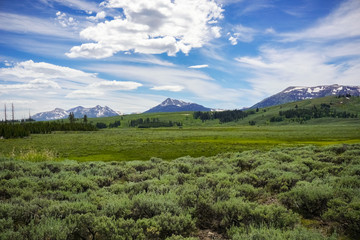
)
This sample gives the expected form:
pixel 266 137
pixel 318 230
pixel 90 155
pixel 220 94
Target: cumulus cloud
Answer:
pixel 173 88
pixel 199 66
pixel 41 86
pixel 64 20
pixel 30 70
pixel 7 63
pixel 98 16
pixel 25 79
pixel 152 27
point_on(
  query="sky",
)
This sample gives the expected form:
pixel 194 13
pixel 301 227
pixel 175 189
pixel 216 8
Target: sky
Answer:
pixel 131 55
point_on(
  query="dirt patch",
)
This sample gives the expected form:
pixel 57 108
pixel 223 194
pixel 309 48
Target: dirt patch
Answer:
pixel 208 234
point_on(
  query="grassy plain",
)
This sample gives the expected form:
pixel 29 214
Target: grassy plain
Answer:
pixel 169 143
pixel 195 138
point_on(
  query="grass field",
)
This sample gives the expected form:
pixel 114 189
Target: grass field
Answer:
pixel 262 117
pixel 195 138
pixel 169 143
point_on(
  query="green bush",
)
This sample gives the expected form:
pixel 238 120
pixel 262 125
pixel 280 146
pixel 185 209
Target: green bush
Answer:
pixel 236 212
pixel 347 214
pixel 47 228
pixel 172 224
pixel 270 233
pixel 309 199
pixel 238 195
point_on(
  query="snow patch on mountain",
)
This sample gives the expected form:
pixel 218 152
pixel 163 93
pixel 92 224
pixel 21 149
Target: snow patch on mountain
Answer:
pixel 174 105
pixel 292 94
pixel 79 112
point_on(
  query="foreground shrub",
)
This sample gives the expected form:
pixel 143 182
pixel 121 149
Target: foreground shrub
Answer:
pixel 249 195
pixel 347 214
pixel 309 199
pixel 236 212
pixel 271 233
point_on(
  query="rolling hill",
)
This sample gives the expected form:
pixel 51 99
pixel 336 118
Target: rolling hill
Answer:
pixel 260 116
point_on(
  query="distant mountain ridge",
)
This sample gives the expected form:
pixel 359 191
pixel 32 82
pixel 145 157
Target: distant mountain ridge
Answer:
pixel 293 94
pixel 174 105
pixel 79 112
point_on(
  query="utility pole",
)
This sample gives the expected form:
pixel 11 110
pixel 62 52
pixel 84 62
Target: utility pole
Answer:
pixel 5 113
pixel 12 111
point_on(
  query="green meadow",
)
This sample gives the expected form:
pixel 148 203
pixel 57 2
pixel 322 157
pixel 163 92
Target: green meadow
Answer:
pixel 195 138
pixel 124 144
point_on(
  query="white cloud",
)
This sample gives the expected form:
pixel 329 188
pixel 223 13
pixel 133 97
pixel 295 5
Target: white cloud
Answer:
pixel 228 2
pixel 36 84
pixel 36 45
pixel 241 33
pixel 98 16
pixel 85 93
pixel 270 31
pixel 88 6
pixel 116 85
pixel 254 6
pixel 32 25
pixel 173 88
pixel 64 20
pixel 326 53
pixel 152 27
pixel 278 68
pixel 141 58
pixel 7 63
pixel 340 24
pixel 200 66
pixel 30 70
pixel 193 81
pixel 41 86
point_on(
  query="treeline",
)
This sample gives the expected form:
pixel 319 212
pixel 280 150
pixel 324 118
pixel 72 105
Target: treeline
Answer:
pixel 152 123
pixel 16 130
pixel 291 193
pixel 344 96
pixel 101 125
pixel 224 116
pixel 13 131
pixel 304 114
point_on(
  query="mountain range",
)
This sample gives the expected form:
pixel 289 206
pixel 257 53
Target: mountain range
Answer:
pixel 292 94
pixel 79 112
pixel 173 105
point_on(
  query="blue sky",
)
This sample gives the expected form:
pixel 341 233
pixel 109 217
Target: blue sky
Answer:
pixel 132 54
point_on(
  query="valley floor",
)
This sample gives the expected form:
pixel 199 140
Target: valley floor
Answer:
pixel 123 144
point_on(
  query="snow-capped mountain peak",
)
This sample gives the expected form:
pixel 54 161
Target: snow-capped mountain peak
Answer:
pixel 174 105
pixel 174 102
pixel 292 94
pixel 79 112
